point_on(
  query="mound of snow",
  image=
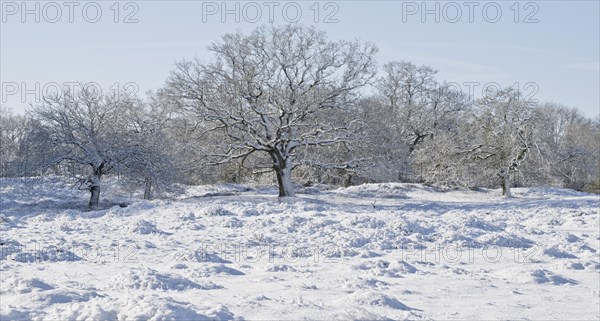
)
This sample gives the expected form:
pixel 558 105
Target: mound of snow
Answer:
pixel 544 276
pixel 536 276
pixel 384 268
pixel 225 189
pixel 571 266
pixel 411 226
pixel 197 256
pixel 16 285
pixel 364 221
pixel 559 254
pixel 4 219
pixel 8 247
pixel 152 280
pixel 250 212
pixel 382 190
pixel 503 239
pixel 482 224
pixel 361 298
pixel 134 209
pixel 60 296
pixel 146 227
pixel 365 283
pixel 280 268
pixel 154 308
pixel 148 308
pixel 216 269
pixel 11 313
pixel 81 311
pixel 215 210
pixel 49 254
pixel 547 192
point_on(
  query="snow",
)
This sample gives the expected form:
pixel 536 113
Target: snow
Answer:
pixel 223 252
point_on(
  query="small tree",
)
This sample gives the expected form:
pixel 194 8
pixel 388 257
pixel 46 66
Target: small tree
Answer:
pixel 267 92
pixel 82 128
pixel 151 160
pixel 501 135
pixel 13 130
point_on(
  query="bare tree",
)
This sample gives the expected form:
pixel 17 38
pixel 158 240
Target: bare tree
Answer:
pixel 568 144
pixel 13 130
pixel 383 152
pixel 418 110
pixel 268 90
pixel 151 159
pixel 406 90
pixel 500 136
pixel 84 128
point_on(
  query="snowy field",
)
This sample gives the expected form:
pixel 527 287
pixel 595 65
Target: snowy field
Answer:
pixel 377 251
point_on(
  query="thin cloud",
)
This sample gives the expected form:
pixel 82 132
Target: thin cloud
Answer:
pixel 584 66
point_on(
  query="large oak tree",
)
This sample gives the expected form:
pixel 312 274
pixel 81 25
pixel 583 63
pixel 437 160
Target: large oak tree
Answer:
pixel 273 91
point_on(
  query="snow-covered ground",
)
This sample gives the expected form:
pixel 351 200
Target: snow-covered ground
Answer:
pixel 377 251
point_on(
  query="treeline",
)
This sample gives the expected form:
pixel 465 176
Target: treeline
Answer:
pixel 289 105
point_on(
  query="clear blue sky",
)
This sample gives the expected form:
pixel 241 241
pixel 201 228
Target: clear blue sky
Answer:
pixel 559 53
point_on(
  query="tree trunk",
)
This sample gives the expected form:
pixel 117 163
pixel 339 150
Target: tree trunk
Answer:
pixel 94 181
pixel 95 196
pixel 147 189
pixel 347 180
pixel 283 170
pixel 284 180
pixel 506 186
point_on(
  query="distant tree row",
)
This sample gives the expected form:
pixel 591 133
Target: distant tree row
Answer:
pixel 288 104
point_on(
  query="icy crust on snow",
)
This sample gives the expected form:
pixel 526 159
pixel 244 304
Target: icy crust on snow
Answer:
pixel 222 252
